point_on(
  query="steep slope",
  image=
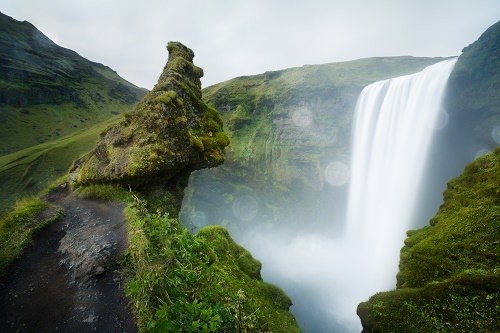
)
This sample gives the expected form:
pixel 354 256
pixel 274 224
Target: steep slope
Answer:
pixel 449 279
pixel 472 106
pixel 47 91
pixel 474 91
pixel 287 129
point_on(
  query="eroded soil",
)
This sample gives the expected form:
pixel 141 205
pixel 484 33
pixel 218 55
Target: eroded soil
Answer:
pixel 69 279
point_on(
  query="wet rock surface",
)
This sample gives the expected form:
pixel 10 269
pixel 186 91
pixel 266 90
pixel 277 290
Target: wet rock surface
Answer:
pixel 69 279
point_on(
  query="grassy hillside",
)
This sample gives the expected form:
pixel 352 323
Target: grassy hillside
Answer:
pixel 47 91
pixel 28 171
pixel 449 279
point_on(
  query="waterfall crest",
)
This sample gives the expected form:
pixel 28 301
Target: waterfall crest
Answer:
pixel 393 126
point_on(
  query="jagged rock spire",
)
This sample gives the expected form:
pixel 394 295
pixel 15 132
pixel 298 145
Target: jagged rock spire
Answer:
pixel 171 131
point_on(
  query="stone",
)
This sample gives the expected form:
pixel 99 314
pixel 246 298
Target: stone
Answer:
pixel 170 132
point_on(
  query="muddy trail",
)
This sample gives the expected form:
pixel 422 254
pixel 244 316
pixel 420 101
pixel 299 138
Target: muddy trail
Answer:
pixel 68 280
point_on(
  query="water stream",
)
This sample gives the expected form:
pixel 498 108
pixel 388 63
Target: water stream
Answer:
pixel 327 274
pixel 393 128
pixel 394 122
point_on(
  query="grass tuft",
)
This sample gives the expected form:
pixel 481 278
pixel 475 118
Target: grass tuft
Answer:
pixel 18 226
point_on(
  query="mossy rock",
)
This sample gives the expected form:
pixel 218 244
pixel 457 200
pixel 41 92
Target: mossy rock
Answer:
pixel 449 278
pixel 235 276
pixel 171 131
pixel 468 302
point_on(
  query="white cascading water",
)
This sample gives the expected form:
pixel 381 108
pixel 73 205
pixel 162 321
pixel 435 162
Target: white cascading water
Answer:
pixel 393 126
pixel 329 276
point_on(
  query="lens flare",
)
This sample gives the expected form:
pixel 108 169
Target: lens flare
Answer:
pixel 495 134
pixel 441 120
pixel 302 117
pixel 337 173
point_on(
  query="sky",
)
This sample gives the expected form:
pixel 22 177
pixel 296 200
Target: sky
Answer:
pixel 232 38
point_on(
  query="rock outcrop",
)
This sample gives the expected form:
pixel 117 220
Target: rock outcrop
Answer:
pixel 170 132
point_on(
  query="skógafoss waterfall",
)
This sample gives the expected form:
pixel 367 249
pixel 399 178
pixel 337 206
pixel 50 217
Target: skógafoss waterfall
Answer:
pixel 393 127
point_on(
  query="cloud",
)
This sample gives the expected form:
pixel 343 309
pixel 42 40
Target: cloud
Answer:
pixel 232 38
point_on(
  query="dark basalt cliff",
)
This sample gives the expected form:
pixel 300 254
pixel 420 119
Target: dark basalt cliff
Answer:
pixel 170 132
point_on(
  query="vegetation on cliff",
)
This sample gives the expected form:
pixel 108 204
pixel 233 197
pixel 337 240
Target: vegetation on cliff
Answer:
pixel 181 282
pixel 449 279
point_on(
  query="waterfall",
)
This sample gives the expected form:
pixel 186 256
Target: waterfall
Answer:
pixel 393 126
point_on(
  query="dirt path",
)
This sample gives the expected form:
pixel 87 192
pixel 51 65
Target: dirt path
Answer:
pixel 68 280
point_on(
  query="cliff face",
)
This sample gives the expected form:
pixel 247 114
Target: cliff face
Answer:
pixel 170 132
pixel 474 90
pixel 472 103
pixel 286 128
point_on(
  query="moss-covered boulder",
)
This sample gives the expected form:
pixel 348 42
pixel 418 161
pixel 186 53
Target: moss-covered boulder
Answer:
pixel 449 278
pixel 171 131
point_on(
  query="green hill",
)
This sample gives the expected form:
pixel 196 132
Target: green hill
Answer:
pixel 47 91
pixel 30 170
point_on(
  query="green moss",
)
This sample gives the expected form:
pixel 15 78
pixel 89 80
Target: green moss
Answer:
pixel 464 233
pixel 167 97
pixel 468 302
pixel 179 282
pixel 17 227
pixel 449 278
pixel 171 130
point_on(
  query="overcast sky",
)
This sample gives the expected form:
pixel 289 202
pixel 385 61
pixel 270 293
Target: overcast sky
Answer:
pixel 241 37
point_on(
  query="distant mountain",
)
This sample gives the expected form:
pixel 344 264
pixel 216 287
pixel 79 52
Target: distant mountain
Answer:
pixel 47 91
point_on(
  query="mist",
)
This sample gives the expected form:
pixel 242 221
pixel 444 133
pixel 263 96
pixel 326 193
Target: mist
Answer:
pixel 330 247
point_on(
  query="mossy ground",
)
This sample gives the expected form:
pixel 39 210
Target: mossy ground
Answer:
pixel 449 279
pixel 179 282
